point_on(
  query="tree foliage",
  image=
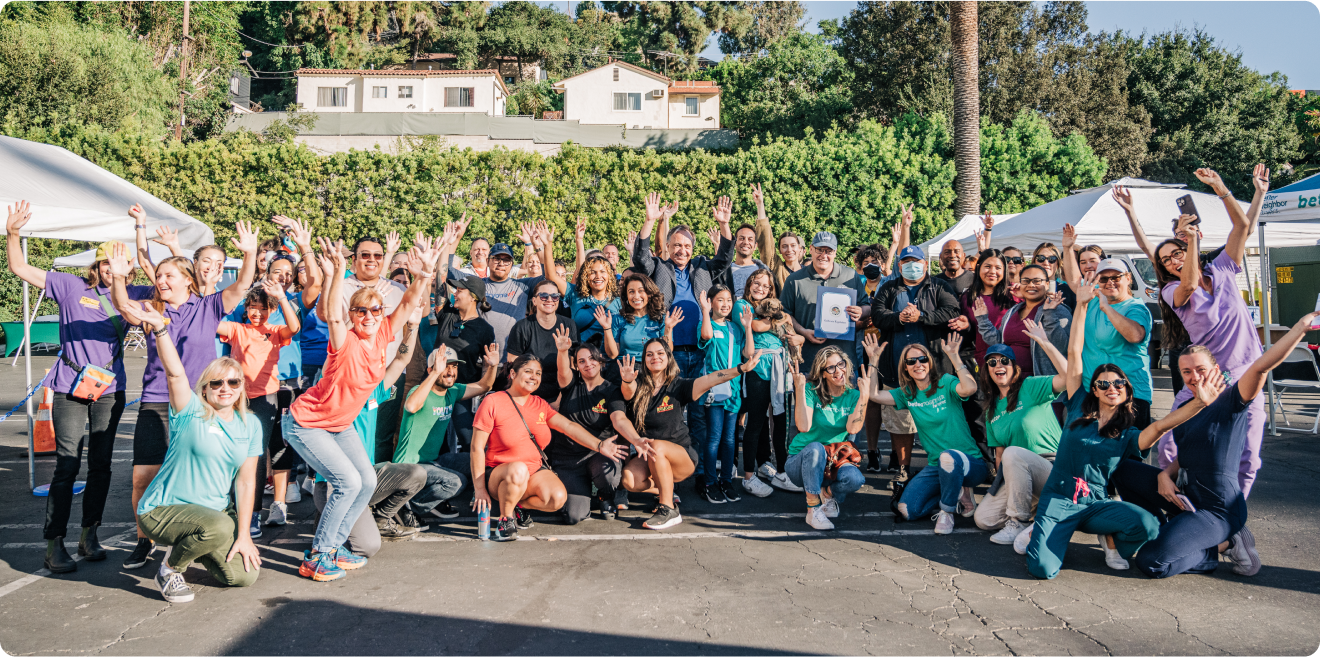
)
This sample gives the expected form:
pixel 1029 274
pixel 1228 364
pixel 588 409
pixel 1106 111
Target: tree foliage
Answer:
pixel 678 28
pixel 800 83
pixel 768 23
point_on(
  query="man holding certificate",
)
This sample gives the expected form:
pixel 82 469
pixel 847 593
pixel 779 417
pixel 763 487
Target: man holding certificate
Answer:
pixel 822 300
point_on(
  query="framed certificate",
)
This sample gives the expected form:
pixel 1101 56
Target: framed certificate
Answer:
pixel 832 320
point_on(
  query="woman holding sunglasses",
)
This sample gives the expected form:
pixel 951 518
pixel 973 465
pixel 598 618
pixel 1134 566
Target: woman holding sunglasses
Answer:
pixel 1047 256
pixel 1038 306
pixel 936 405
pixel 535 336
pixel 320 425
pixel 827 409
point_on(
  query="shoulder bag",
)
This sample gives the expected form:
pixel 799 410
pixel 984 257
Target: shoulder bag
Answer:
pixel 545 461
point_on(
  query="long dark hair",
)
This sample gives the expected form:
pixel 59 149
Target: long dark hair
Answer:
pixel 991 390
pixel 646 388
pixel 1174 331
pixel 1124 417
pixel 655 300
pixel 531 295
pixel 999 295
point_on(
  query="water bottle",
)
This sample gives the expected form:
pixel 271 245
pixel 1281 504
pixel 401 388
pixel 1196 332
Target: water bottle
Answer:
pixel 483 524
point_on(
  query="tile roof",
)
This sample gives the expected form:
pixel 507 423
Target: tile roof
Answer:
pixel 401 73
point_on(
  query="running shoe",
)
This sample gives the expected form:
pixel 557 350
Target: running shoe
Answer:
pixel 1112 558
pixel 830 507
pixel 782 482
pixel 817 519
pixel 279 514
pixel 711 493
pixel 406 518
pixel 729 491
pixel 873 463
pixel 392 531
pixel 1023 540
pixel 255 529
pixel 292 493
pixel 141 554
pixel 902 476
pixel 504 530
pixel 1009 533
pixel 445 510
pixel 1242 552
pixel 664 518
pixel 344 558
pixel 943 522
pixel 320 567
pixel 309 483
pixel 607 509
pixel 757 488
pixel 172 586
pixel 967 503
pixel 766 470
pixel 522 518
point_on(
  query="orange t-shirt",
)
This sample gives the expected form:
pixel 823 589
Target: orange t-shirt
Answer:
pixel 508 442
pixel 349 376
pixel 257 349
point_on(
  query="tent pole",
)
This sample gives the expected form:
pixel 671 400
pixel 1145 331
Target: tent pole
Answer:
pixel 1266 309
pixel 18 352
pixel 27 342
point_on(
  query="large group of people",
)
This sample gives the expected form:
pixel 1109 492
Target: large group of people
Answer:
pixel 391 384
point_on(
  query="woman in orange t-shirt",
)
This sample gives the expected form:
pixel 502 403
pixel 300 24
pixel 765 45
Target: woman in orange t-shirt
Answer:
pixel 321 420
pixel 508 465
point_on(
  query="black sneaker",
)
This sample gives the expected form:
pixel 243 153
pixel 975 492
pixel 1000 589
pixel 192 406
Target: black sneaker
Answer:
pixel 406 518
pixel 607 510
pixel 665 517
pixel 445 510
pixel 505 529
pixel 730 491
pixel 902 476
pixel 393 531
pixel 141 554
pixel 522 518
pixel 712 494
pixel 893 462
pixel 873 463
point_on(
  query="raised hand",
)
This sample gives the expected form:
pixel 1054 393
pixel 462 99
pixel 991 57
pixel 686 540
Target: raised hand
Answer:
pixel 714 235
pixel 1123 197
pixel 544 233
pixel 982 240
pixel 653 212
pixel 580 229
pixel 978 307
pixel 248 238
pixel 668 211
pixel 298 231
pixel 1185 225
pixel 632 241
pixel 908 216
pixel 120 265
pixel 1087 289
pixel 1208 389
pixel 723 211
pixel 873 346
pixel 1209 177
pixel 19 215
pixel 745 318
pixel 420 240
pixel 461 226
pixel 392 242
pixel 167 236
pixel 988 221
pixel 864 381
pixel 1052 301
pixel 603 317
pixel 895 233
pixel 145 314
pixel 703 300
pixel 563 339
pixel 525 233
pixel 674 318
pixel 421 262
pixel 628 369
pixel 490 355
pixel 799 381
pixel 138 214
pixel 1260 177
pixel 1035 331
pixel 272 288
pixel 950 346
pixel 1069 236
pixel 757 196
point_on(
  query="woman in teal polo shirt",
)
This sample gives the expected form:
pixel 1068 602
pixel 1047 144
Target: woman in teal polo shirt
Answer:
pixel 827 409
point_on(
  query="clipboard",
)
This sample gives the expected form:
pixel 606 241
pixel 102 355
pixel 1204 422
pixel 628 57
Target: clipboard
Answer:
pixel 832 320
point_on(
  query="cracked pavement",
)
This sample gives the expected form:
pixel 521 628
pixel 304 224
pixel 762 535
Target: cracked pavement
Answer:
pixel 734 580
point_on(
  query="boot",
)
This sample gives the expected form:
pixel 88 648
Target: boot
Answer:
pixel 57 558
pixel 89 547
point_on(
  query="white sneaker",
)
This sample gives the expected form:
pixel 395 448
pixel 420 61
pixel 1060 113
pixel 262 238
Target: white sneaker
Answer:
pixel 817 519
pixel 766 470
pixel 309 484
pixel 944 522
pixel 1023 540
pixel 754 486
pixel 830 507
pixel 173 588
pixel 967 503
pixel 1242 553
pixel 902 509
pixel 782 482
pixel 279 514
pixel 292 494
pixel 1111 555
pixel 268 490
pixel 1009 533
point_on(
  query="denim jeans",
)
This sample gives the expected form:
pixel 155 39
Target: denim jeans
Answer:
pixel 342 460
pixel 807 469
pixel 69 414
pixel 719 444
pixel 446 477
pixel 397 483
pixel 460 427
pixel 690 366
pixel 942 481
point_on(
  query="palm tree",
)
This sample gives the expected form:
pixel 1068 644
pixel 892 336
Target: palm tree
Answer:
pixel 966 107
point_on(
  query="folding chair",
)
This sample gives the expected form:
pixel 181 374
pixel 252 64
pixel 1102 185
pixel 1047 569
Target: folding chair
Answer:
pixel 1306 367
pixel 135 338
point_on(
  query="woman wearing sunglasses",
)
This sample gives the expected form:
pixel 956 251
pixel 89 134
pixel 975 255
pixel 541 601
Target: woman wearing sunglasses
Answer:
pixel 214 445
pixel 320 427
pixel 826 409
pixel 936 405
pixel 1014 261
pixel 1047 256
pixel 1038 306
pixel 535 336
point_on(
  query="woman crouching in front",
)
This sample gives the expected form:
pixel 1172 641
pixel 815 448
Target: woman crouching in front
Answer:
pixel 828 409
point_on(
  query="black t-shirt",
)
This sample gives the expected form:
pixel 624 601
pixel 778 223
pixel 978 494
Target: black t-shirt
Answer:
pixel 467 337
pixel 664 416
pixel 527 337
pixel 591 409
pixel 959 283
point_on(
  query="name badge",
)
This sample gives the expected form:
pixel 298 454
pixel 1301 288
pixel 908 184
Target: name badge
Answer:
pixel 372 404
pixel 718 334
pixel 89 302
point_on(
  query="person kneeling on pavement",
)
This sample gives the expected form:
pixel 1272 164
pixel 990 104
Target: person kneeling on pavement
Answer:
pixel 827 409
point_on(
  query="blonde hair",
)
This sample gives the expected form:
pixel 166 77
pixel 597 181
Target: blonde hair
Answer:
pixel 185 266
pixel 360 297
pixel 611 280
pixel 93 275
pixel 817 376
pixel 214 371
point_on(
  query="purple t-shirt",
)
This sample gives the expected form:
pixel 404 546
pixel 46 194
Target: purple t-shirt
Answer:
pixel 192 328
pixel 87 335
pixel 1219 321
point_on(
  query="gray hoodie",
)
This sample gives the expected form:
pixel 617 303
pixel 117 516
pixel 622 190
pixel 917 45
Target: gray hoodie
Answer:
pixel 1056 322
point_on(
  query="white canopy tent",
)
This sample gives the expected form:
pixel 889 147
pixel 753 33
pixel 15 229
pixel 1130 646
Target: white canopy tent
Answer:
pixel 157 252
pixel 966 228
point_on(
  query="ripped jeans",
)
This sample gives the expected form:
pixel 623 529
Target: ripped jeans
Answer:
pixel 942 481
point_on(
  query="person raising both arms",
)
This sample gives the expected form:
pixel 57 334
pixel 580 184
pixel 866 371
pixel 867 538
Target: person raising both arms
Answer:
pixel 596 288
pixel 745 239
pixel 828 409
pixel 192 322
pixel 725 344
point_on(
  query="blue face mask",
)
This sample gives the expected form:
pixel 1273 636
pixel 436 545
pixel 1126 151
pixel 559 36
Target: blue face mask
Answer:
pixel 913 270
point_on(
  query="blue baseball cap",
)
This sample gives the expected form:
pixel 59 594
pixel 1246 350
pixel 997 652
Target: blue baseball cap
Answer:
pixel 1001 349
pixel 500 249
pixel 911 252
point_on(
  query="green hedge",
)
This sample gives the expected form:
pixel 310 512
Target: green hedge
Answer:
pixel 851 183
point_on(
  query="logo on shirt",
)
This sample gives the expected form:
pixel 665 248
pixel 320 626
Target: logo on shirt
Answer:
pixel 599 407
pixel 665 405
pixel 541 419
pixel 442 412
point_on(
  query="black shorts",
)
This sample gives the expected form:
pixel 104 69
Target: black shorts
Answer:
pixel 151 434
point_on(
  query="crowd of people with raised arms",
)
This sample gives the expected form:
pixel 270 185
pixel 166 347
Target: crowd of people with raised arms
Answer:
pixel 395 385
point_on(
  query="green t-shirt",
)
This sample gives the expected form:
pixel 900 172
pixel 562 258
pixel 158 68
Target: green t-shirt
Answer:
pixel 726 340
pixel 423 432
pixel 1032 424
pixel 829 424
pixel 939 418
pixel 203 459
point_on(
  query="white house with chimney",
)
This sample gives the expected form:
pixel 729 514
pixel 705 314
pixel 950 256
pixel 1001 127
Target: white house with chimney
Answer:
pixel 337 90
pixel 619 93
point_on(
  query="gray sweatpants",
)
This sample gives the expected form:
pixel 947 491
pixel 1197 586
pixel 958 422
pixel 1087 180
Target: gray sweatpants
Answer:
pixel 1025 473
pixel 396 483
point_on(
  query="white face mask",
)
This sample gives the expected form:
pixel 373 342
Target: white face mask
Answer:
pixel 913 270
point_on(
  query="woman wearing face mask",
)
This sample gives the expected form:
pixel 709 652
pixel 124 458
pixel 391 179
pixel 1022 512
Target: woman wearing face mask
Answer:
pixel 537 334
pixel 1013 264
pixel 826 410
pixel 1024 433
pixel 1038 306
pixel 642 319
pixel 990 288
pixel 193 319
pixel 1047 256
pixel 726 344
pixel 936 406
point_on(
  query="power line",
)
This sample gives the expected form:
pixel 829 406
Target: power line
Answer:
pixel 273 45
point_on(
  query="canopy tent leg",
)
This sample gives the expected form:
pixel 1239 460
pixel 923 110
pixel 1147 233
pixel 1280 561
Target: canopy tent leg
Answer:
pixel 27 346
pixel 18 352
pixel 1266 310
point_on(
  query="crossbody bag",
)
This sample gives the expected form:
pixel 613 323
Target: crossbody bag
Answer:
pixel 93 381
pixel 545 461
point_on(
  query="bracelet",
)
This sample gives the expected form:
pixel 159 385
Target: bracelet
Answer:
pixel 139 226
pixel 162 332
pixel 1226 194
pixel 527 244
pixel 987 230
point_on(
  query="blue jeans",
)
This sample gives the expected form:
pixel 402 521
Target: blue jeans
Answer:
pixel 342 460
pixel 721 425
pixel 943 480
pixel 807 469
pixel 446 477
pixel 690 365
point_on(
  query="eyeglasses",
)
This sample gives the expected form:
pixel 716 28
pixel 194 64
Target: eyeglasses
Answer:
pixel 215 384
pixel 917 359
pixel 1106 280
pixel 1049 259
pixel 549 296
pixel 360 311
pixel 1179 253
pixel 835 368
pixel 367 255
pixel 996 361
pixel 1013 260
pixel 1032 281
pixel 1118 384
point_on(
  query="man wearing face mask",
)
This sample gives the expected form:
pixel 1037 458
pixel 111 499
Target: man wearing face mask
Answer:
pixel 914 308
pixel 799 296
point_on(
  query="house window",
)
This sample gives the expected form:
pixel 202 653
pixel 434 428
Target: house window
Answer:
pixel 627 102
pixel 405 92
pixel 508 79
pixel 459 96
pixel 693 106
pixel 332 97
pixel 380 92
pixel 616 75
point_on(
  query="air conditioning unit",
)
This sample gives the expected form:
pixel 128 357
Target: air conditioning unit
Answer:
pixel 658 93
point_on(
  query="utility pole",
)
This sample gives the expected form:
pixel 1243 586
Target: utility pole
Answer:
pixel 183 70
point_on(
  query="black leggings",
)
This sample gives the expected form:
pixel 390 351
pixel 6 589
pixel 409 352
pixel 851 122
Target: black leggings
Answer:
pixel 762 428
pixel 579 475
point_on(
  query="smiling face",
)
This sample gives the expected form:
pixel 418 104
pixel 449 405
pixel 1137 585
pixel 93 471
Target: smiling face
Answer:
pixel 448 377
pixel 399 261
pixel 1034 285
pixel 1011 268
pixel 1043 257
pixel 992 271
pixel 1172 257
pixel 209 264
pixel 1088 261
pixel 835 372
pixel 758 285
pixel 822 259
pixel 721 305
pixel 1198 367
pixel 526 379
pixel 281 271
pixel 637 298
pixel 951 258
pixel 463 299
pixel 1114 285
pixel 1002 370
pixel 546 298
pixel 745 242
pixel 612 254
pixel 366 311
pixel 657 361
pixel 680 248
pixel 257 314
pixel 226 395
pixel 1115 395
pixel 597 275
pixel 367 261
pixel 172 283
pixel 790 248
pixel 477 254
pixel 500 266
pixel 919 372
pixel 586 364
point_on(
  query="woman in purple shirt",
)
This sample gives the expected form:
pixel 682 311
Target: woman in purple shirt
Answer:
pixel 192 323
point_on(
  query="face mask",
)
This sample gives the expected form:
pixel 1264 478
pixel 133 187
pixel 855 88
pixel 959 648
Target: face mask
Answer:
pixel 871 271
pixel 913 270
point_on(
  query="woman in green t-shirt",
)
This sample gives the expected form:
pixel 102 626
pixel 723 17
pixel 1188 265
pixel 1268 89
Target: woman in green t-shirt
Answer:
pixel 827 409
pixel 1023 432
pixel 936 406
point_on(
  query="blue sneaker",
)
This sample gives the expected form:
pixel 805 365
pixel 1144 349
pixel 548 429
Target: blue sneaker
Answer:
pixel 255 530
pixel 347 560
pixel 320 567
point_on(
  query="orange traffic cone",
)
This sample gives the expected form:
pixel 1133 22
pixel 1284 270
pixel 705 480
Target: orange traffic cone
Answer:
pixel 43 432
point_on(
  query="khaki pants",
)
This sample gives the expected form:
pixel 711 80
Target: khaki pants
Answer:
pixel 1025 473
pixel 198 533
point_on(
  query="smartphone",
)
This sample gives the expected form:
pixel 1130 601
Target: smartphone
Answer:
pixel 1187 504
pixel 1054 286
pixel 1186 206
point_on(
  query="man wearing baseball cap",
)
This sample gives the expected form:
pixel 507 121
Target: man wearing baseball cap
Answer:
pixel 1118 331
pixel 799 296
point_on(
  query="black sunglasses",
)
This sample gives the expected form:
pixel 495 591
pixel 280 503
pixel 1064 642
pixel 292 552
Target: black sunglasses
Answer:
pixel 1118 384
pixel 215 384
pixel 1013 260
pixel 996 361
pixel 917 359
pixel 549 296
pixel 1049 259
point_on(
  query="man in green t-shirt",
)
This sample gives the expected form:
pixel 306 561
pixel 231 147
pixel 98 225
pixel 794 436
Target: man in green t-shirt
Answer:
pixel 426 415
